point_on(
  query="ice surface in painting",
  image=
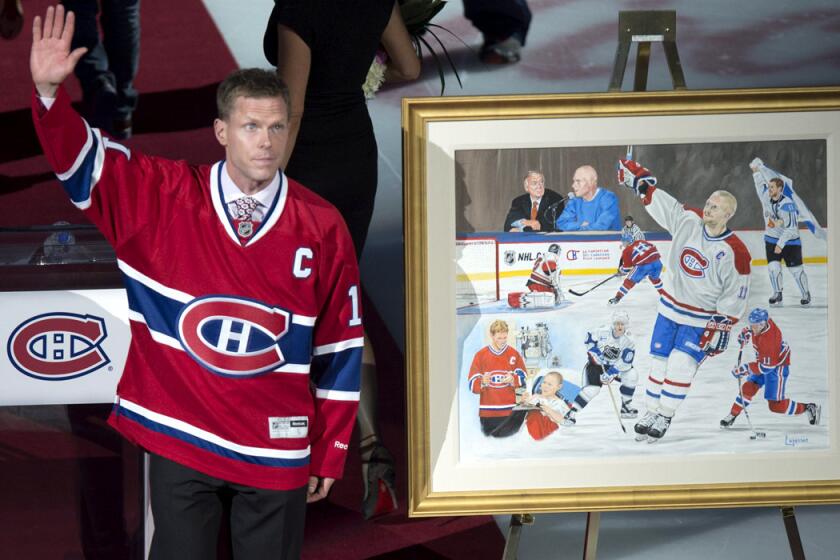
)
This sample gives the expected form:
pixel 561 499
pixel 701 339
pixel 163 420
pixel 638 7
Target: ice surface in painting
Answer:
pixel 695 428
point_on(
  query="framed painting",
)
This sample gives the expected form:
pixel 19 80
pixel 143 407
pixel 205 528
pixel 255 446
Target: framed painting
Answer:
pixel 537 348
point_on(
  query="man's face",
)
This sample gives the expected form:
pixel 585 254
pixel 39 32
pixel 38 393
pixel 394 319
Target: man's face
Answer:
pixel 254 136
pixel 774 189
pixel 583 183
pixel 499 338
pixel 549 386
pixel 716 211
pixel 757 327
pixel 535 185
pixel 619 329
pixel 628 223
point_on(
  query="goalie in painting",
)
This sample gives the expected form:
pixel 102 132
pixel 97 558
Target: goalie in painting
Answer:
pixel 543 284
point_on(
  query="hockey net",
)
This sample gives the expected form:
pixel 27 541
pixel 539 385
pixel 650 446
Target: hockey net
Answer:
pixel 477 271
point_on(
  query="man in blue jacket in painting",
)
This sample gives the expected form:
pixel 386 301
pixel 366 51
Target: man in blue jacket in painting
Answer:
pixel 592 207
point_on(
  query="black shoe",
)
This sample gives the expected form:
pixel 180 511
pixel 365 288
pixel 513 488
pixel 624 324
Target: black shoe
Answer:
pixel 643 426
pixel 660 426
pixel 614 301
pixel 806 299
pixel 506 51
pixel 628 411
pixel 813 411
pixel 380 479
pixel 727 421
pixel 776 299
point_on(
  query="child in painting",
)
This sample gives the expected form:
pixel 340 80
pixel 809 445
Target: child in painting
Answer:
pixel 551 408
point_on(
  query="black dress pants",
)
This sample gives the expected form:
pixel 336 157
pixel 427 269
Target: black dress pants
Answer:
pixel 187 509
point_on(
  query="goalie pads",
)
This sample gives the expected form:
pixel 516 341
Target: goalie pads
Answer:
pixel 716 335
pixel 530 300
pixel 634 176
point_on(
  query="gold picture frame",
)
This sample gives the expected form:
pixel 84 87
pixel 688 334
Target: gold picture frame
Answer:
pixel 433 130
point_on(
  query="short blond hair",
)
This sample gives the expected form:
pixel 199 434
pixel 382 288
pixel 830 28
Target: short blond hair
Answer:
pixel 498 326
pixel 730 199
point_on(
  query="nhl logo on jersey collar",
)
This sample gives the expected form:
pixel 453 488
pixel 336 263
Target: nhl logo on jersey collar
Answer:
pixel 271 217
pixel 245 229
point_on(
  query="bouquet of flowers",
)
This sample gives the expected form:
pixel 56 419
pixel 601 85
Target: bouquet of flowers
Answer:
pixel 417 15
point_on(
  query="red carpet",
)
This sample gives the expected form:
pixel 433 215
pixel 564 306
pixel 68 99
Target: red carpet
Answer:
pixel 182 59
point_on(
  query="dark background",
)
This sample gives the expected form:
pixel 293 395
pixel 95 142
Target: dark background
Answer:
pixel 487 180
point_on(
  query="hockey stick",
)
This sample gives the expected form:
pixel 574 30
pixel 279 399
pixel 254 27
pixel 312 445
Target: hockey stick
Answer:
pixel 604 281
pixel 754 434
pixel 612 400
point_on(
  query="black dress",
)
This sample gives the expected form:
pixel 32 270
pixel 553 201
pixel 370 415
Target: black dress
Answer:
pixel 335 154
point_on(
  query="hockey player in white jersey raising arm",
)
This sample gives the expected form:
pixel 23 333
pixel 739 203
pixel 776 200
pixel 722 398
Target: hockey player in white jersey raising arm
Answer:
pixel 705 292
pixel 609 357
pixel 781 231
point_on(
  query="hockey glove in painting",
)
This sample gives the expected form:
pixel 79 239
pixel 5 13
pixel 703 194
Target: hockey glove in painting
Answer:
pixel 609 375
pixel 716 336
pixel 634 176
pixel 744 336
pixel 740 371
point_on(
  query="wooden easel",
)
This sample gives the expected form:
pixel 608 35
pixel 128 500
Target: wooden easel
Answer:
pixel 643 28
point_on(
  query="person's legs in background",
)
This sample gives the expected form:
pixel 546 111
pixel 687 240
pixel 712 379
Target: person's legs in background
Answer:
pixel 504 24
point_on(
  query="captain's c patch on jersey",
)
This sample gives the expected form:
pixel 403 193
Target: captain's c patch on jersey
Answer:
pixel 233 336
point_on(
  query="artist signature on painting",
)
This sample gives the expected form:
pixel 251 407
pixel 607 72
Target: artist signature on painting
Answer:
pixel 795 440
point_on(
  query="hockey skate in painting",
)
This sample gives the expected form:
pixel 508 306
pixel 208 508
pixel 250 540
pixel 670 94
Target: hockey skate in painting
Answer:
pixel 699 326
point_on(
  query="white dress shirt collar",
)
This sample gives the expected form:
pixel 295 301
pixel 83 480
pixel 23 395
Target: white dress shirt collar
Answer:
pixel 265 197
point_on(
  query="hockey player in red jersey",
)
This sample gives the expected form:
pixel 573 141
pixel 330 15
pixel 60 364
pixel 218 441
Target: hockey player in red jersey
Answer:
pixel 770 370
pixel 242 377
pixel 543 284
pixel 640 259
pixel 496 372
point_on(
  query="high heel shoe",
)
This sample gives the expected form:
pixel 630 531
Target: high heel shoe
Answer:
pixel 379 477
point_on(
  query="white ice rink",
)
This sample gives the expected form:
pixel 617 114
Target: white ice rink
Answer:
pixel 695 429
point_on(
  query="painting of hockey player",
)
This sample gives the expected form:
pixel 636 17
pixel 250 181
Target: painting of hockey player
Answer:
pixel 496 372
pixel 610 353
pixel 704 294
pixel 769 369
pixel 630 232
pixel 639 260
pixel 783 211
pixel 543 284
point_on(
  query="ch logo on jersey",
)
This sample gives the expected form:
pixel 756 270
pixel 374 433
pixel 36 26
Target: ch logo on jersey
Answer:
pixel 58 346
pixel 499 380
pixel 693 263
pixel 233 336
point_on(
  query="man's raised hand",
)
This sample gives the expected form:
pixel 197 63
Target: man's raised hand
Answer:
pixel 50 60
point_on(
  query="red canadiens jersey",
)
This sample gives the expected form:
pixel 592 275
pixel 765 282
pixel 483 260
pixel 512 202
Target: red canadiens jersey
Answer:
pixel 638 253
pixel 542 275
pixel 226 336
pixel 771 351
pixel 498 397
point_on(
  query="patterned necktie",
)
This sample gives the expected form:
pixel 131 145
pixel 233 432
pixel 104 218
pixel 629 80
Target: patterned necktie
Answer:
pixel 534 206
pixel 243 216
